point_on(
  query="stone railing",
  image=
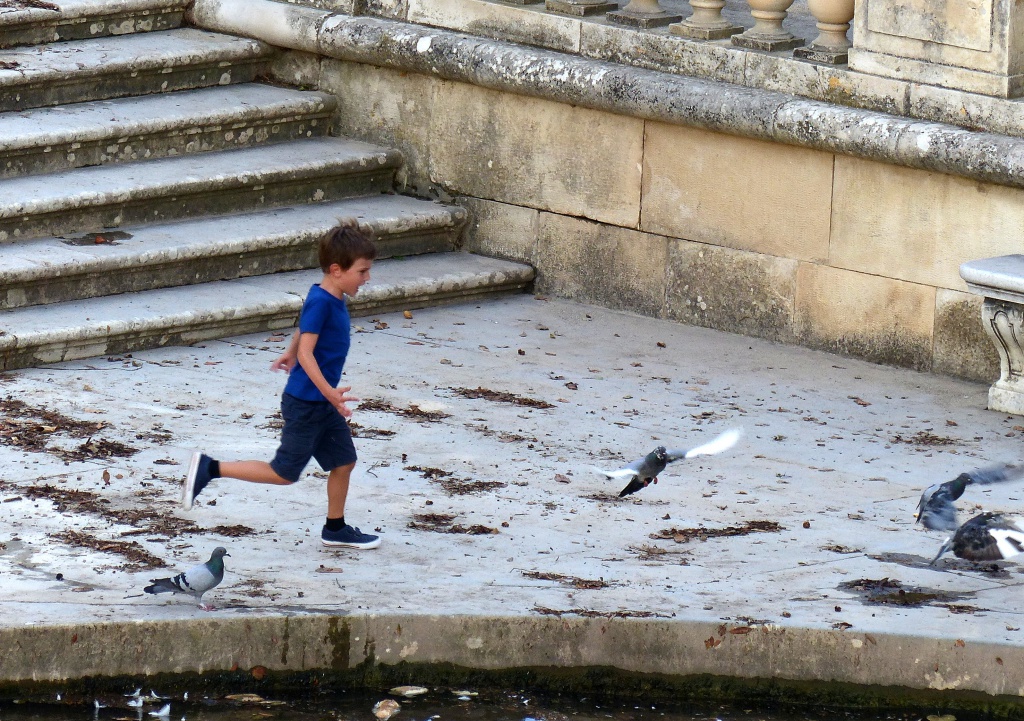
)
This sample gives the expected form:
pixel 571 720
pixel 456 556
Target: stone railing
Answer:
pixel 706 22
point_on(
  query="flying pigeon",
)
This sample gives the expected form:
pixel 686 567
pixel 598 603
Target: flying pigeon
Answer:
pixel 195 581
pixel 988 537
pixel 163 713
pixel 936 511
pixel 644 471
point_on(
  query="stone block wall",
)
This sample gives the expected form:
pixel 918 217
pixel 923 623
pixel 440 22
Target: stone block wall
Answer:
pixel 749 236
pixel 741 235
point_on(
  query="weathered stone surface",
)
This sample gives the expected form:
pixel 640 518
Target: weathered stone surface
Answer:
pixel 731 290
pixel 503 22
pixel 969 110
pixel 101 197
pixel 24 24
pixel 295 68
pixel 711 187
pixel 666 53
pixel 595 263
pixel 586 158
pixel 394 9
pixel 154 126
pixel 962 348
pixel 921 226
pixel 501 230
pixel 878 319
pixel 388 108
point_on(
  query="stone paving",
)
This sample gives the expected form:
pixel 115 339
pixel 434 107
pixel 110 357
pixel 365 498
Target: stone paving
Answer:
pixel 835 451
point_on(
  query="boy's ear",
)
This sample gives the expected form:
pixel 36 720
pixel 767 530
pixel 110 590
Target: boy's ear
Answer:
pixel 335 269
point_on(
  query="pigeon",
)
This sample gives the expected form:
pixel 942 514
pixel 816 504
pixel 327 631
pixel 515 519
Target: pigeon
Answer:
pixel 935 510
pixel 164 712
pixel 987 537
pixel 644 471
pixel 195 581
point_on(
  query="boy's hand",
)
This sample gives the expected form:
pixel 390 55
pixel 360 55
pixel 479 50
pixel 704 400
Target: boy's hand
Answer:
pixel 285 362
pixel 338 399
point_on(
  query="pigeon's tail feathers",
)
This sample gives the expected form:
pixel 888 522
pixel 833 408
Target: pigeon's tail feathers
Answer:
pixel 620 473
pixel 164 585
pixel 1009 542
pixel 723 443
pixel 942 551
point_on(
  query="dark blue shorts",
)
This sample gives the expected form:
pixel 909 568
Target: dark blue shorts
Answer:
pixel 312 429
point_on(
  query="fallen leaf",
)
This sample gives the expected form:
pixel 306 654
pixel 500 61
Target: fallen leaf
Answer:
pixel 562 478
pixel 407 314
pixel 858 401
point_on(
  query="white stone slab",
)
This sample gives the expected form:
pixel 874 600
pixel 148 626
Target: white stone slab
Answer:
pixel 1000 277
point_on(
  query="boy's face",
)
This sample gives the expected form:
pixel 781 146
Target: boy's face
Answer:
pixel 350 281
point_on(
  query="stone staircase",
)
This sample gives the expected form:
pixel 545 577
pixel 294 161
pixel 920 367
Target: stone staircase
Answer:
pixel 154 192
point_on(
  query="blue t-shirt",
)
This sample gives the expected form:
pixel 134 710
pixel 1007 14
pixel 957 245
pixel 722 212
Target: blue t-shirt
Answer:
pixel 328 317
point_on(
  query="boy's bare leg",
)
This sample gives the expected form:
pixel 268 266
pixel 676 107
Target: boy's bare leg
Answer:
pixel 337 490
pixel 254 472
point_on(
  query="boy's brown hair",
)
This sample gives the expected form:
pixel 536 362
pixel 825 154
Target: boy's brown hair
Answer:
pixel 344 245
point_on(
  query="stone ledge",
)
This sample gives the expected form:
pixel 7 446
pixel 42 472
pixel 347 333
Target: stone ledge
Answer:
pixel 626 90
pixel 672 650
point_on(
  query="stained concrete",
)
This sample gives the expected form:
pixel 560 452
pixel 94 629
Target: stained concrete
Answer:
pixel 836 451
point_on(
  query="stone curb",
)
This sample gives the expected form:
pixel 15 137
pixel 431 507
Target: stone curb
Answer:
pixel 312 640
pixel 625 90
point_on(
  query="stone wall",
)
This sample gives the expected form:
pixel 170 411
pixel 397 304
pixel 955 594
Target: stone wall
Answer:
pixel 739 209
pixel 726 232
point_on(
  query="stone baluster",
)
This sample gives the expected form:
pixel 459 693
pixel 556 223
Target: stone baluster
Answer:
pixel 831 45
pixel 579 7
pixel 706 22
pixel 768 33
pixel 643 14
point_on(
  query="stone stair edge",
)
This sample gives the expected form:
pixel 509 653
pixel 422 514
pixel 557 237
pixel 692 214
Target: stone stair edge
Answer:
pixel 93 198
pixel 126 65
pixel 268 309
pixel 43 125
pixel 53 270
pixel 78 19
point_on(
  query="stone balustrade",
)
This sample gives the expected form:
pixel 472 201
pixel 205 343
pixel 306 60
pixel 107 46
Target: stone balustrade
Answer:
pixel 1000 281
pixel 706 22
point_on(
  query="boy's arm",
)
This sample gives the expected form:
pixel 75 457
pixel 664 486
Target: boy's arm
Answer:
pixel 336 396
pixel 286 361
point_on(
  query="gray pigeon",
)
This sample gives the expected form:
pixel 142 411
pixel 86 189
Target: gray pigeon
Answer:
pixel 195 581
pixel 641 473
pixel 935 510
pixel 987 537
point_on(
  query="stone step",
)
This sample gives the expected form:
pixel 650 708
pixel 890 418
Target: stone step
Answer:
pixel 180 316
pixel 115 67
pixel 90 200
pixel 54 270
pixel 45 22
pixel 46 140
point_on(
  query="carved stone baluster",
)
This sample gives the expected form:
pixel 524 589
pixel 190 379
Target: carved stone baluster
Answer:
pixel 831 45
pixel 579 7
pixel 643 14
pixel 768 33
pixel 706 22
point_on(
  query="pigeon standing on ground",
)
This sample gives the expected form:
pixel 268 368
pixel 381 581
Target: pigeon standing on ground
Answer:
pixel 195 581
pixel 988 537
pixel 643 472
pixel 936 511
